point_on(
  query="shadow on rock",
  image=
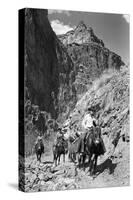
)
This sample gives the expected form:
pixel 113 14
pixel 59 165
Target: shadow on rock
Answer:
pixel 107 164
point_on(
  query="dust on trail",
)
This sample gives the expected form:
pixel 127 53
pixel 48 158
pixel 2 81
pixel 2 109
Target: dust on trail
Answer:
pixel 44 176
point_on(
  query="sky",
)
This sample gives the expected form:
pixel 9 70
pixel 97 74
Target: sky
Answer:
pixel 113 29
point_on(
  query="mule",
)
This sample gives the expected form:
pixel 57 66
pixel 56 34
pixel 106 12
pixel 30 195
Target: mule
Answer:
pixel 39 149
pixel 73 147
pixel 59 148
pixel 94 147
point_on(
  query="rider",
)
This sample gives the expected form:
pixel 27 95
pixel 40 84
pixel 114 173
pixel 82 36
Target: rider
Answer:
pixel 88 119
pixel 39 139
pixel 60 136
pixel 60 139
pixel 87 123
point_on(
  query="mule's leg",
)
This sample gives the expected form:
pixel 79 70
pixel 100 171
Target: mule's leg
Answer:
pixel 63 157
pixel 79 159
pixel 69 156
pixel 74 157
pixel 95 163
pixel 55 159
pixel 58 159
pixel 37 156
pixel 84 158
pixel 76 167
pixel 40 156
pixel 89 162
pixel 92 165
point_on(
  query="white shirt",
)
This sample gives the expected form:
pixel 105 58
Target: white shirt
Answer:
pixel 87 121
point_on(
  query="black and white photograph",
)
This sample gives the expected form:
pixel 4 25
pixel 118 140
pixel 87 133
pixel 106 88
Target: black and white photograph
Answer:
pixel 74 113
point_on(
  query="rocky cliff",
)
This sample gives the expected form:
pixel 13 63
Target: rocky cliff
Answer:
pixel 58 69
pixel 48 67
pixel 89 55
pixel 81 34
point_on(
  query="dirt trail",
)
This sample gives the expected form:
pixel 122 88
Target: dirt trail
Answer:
pixel 45 176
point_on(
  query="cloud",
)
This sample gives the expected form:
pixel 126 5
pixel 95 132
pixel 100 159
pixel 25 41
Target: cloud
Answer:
pixel 50 11
pixel 127 18
pixel 59 27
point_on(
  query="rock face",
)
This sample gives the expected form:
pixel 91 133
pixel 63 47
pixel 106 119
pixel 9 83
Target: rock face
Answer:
pixel 89 55
pixel 48 67
pixel 81 34
pixel 57 70
pixel 108 98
